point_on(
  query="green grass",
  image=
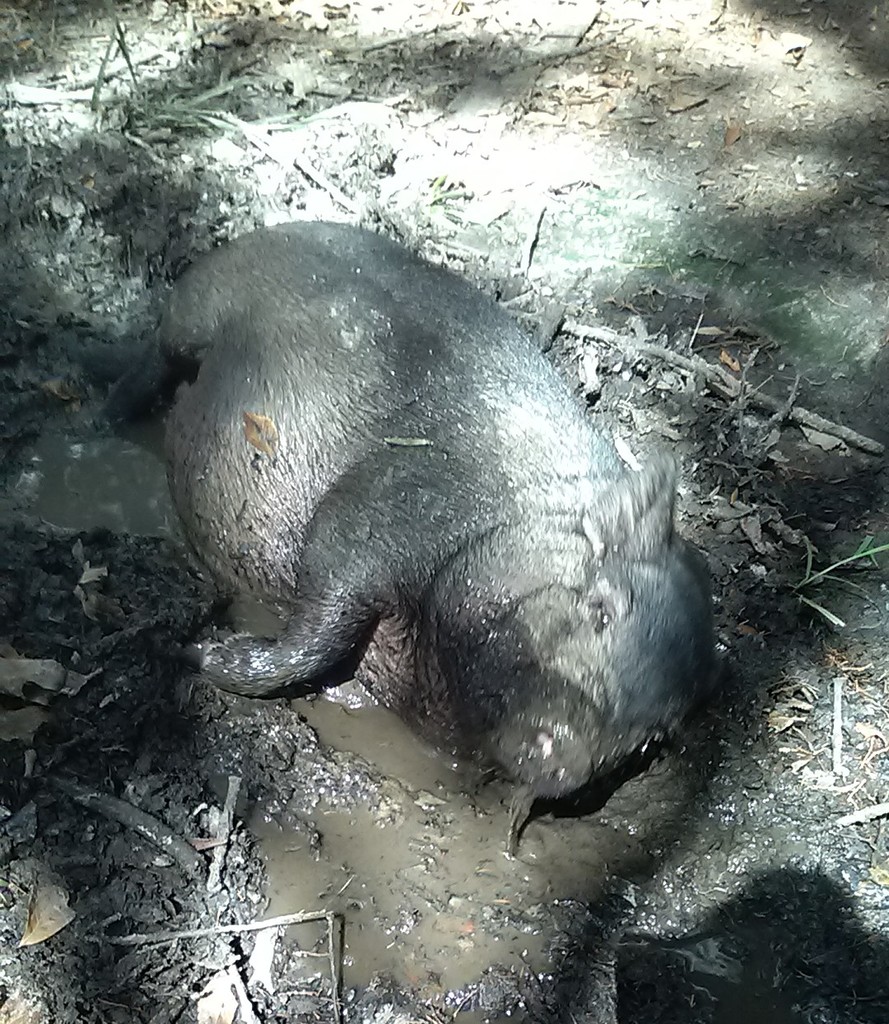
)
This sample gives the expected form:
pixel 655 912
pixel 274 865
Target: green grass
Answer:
pixel 866 552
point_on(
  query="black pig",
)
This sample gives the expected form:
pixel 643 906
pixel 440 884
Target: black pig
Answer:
pixel 373 443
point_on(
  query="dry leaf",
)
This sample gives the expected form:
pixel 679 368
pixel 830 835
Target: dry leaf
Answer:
pixel 727 359
pixel 100 608
pixel 261 433
pixel 262 959
pixel 22 723
pixel 826 442
pixel 870 732
pixel 794 43
pixel 91 573
pixel 48 913
pixel 218 1003
pixel 781 723
pixel 879 873
pixel 43 673
pixel 732 134
pixel 61 389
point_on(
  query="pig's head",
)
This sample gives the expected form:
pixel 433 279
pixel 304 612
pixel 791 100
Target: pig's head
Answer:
pixel 574 649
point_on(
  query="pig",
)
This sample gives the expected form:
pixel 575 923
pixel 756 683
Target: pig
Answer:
pixel 371 443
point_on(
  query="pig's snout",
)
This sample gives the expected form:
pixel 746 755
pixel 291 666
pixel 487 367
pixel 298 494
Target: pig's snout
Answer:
pixel 550 757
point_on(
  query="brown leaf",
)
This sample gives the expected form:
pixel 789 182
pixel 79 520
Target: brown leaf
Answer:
pixel 727 359
pixel 261 433
pixel 733 132
pixel 48 913
pixel 61 389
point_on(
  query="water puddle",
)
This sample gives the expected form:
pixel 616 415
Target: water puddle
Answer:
pixel 109 482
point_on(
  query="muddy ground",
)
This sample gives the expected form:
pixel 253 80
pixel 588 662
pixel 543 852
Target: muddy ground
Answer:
pixel 688 203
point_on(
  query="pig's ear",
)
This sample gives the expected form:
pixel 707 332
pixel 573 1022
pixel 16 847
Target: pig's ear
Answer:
pixel 635 518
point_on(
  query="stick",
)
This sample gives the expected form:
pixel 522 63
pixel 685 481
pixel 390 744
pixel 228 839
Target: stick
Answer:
pixel 335 927
pixel 725 384
pixel 335 958
pixel 130 817
pixel 162 938
pixel 838 726
pixel 865 814
pixel 532 239
pixel 113 44
pixel 214 881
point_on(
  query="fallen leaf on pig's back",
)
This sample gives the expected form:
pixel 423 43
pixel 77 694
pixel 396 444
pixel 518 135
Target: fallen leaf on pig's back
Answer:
pixel 48 913
pixel 261 432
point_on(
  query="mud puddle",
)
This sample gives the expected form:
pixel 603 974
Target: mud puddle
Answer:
pixel 428 893
pixel 429 897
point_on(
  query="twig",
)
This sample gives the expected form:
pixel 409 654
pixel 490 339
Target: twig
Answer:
pixel 532 239
pixel 139 821
pixel 282 921
pixel 124 49
pixel 335 957
pixel 726 385
pixel 113 44
pixel 38 96
pixel 214 880
pixel 335 926
pixel 865 814
pixel 838 726
pixel 261 140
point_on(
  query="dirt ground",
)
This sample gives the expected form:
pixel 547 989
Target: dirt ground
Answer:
pixel 688 203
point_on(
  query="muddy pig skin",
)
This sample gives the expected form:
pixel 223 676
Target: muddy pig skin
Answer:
pixel 373 443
